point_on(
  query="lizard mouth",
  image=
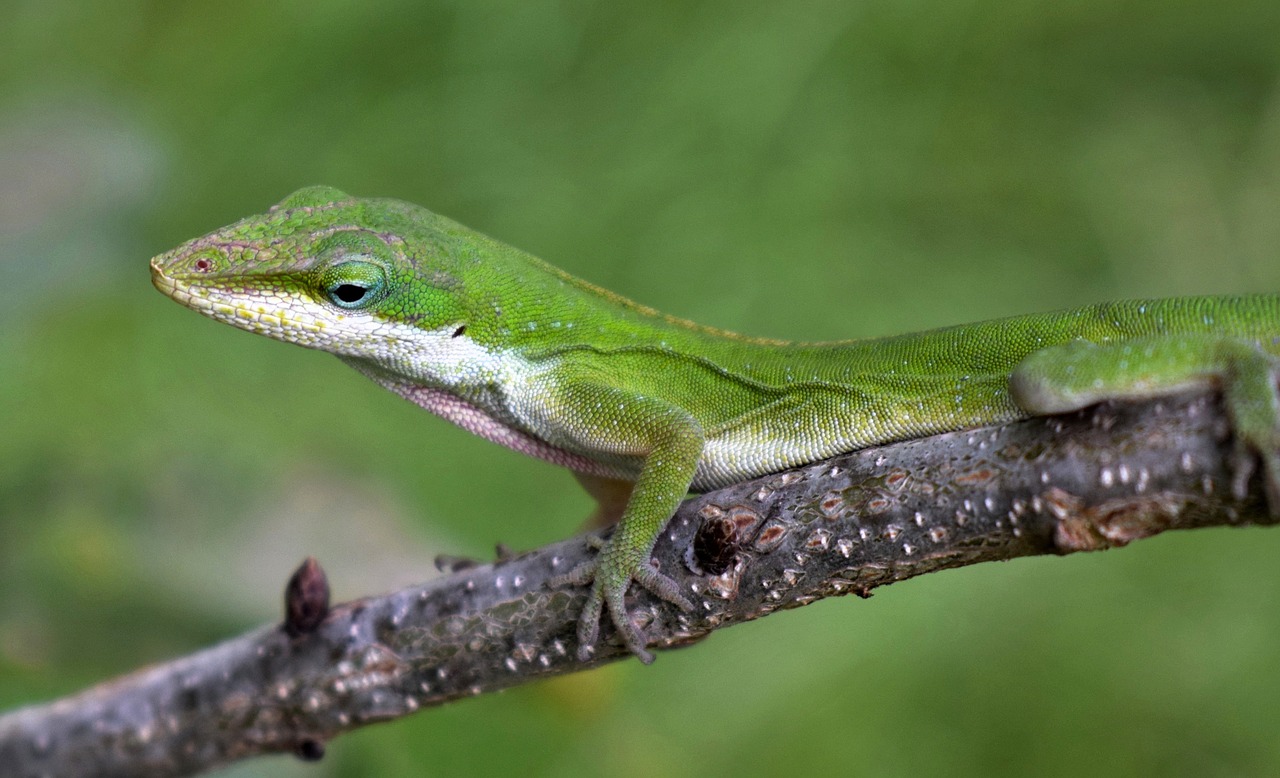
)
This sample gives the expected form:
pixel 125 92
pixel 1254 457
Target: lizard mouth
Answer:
pixel 261 308
pixel 159 280
pixel 198 297
pixel 177 290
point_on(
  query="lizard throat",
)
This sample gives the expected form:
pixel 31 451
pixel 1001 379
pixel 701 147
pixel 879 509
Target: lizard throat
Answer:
pixel 484 424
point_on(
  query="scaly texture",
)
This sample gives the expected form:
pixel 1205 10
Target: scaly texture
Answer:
pixel 523 354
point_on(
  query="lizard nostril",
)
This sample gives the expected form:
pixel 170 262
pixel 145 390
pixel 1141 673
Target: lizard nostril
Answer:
pixel 203 265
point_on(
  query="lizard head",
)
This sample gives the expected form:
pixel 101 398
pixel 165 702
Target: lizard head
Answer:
pixel 355 277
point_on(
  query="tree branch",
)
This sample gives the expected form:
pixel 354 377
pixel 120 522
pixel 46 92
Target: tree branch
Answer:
pixel 1088 481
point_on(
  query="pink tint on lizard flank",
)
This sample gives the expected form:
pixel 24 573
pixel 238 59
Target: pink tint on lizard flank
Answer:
pixel 477 422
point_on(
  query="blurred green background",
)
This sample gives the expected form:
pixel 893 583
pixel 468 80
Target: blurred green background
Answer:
pixel 814 170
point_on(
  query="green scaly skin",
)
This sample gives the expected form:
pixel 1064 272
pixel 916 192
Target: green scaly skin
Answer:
pixel 528 356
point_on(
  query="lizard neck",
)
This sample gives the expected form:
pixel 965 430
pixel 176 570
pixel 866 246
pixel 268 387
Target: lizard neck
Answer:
pixel 536 310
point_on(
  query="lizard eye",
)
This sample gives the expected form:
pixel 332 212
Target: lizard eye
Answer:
pixel 354 284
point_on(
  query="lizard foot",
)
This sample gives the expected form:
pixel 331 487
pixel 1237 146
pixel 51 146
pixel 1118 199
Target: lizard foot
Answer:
pixel 1245 457
pixel 610 576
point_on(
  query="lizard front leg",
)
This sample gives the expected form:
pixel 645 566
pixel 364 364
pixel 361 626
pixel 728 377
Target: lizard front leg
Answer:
pixel 1074 375
pixel 669 442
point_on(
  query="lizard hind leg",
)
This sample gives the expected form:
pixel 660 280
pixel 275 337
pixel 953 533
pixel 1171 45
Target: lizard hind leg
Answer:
pixel 1071 376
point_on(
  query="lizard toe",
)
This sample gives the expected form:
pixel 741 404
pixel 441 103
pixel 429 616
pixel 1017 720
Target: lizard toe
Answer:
pixel 615 599
pixel 589 622
pixel 1242 464
pixel 663 586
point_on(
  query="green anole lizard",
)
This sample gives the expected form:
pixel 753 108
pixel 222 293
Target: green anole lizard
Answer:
pixel 645 407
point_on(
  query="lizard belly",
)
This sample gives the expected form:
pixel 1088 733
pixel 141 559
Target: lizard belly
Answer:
pixel 729 459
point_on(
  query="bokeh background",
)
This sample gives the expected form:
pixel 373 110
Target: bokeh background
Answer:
pixel 807 170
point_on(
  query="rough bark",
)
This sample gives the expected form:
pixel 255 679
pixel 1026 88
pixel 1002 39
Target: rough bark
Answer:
pixel 1093 480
